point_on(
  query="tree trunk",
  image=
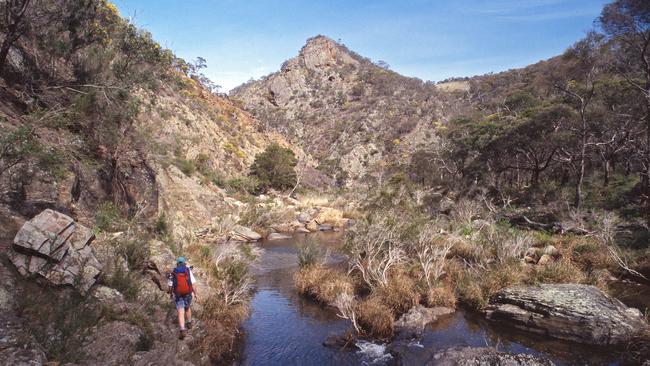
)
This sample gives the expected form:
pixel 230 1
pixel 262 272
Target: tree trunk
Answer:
pixel 583 153
pixel 606 173
pixel 647 153
pixel 4 52
pixel 534 179
pixel 581 177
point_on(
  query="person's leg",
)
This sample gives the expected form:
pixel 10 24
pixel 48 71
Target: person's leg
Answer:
pixel 188 315
pixel 180 310
pixel 188 310
pixel 181 318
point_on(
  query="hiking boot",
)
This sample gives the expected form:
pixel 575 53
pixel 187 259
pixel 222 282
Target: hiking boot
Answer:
pixel 188 325
pixel 182 334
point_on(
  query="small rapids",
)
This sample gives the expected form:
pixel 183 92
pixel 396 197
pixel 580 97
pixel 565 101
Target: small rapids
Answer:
pixel 373 353
pixel 287 329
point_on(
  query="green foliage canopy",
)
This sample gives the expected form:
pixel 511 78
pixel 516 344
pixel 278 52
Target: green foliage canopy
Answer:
pixel 274 168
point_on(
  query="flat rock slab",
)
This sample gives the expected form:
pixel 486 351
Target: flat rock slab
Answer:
pixel 53 246
pixel 278 236
pixel 46 235
pixel 483 356
pixel 244 234
pixel 579 313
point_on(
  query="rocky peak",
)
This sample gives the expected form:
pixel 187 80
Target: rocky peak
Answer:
pixel 322 51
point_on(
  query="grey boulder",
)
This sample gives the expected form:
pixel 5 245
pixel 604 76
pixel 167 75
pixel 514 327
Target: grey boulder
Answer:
pixel 412 324
pixel 573 312
pixel 57 248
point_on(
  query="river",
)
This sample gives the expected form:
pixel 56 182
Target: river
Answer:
pixel 287 329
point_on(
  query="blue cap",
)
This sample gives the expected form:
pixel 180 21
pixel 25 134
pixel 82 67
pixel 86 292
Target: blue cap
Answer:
pixel 180 260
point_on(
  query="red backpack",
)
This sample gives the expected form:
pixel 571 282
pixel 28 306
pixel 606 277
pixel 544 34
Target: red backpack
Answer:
pixel 182 281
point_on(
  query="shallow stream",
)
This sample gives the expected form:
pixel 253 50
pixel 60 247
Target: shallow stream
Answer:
pixel 287 329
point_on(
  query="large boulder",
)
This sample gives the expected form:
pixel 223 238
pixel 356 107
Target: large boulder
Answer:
pixel 579 313
pixel 53 246
pixel 244 234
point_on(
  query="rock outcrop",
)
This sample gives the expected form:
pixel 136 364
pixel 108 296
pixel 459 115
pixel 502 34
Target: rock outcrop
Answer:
pixel 54 246
pixel 244 234
pixel 278 236
pixel 412 324
pixel 482 356
pixel 573 312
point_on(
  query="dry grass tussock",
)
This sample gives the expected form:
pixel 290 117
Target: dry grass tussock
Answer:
pixel 475 287
pixel 561 271
pixel 442 295
pixel 260 217
pixel 323 284
pixel 375 318
pixel 221 336
pixel 400 294
pixel 313 199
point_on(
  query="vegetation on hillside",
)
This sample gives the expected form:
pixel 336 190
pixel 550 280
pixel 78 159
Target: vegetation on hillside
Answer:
pixel 83 95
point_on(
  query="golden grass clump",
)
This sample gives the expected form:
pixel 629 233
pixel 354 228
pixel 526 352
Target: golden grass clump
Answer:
pixel 400 294
pixel 475 288
pixel 221 324
pixel 442 295
pixel 561 271
pixel 323 284
pixel 375 318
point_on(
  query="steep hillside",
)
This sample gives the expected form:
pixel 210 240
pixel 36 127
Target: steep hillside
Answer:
pixel 354 117
pixel 100 123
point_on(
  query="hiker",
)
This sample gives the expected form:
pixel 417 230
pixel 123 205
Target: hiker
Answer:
pixel 181 288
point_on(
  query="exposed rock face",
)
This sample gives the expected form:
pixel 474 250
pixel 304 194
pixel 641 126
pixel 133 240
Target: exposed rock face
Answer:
pixel 573 312
pixel 55 247
pixel 113 343
pixel 414 322
pixel 16 344
pixel 475 356
pixel 244 234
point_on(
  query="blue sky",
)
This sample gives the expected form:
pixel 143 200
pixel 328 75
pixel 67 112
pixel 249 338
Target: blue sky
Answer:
pixel 431 40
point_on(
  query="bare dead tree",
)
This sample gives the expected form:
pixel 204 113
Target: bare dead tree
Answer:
pixel 344 302
pixel 377 249
pixel 431 255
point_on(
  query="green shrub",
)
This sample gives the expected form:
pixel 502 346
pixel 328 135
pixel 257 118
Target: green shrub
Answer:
pixel 188 167
pixel 309 254
pixel 274 168
pixel 134 251
pixel 23 148
pixel 247 185
pixel 123 281
pixel 108 217
pixel 161 227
